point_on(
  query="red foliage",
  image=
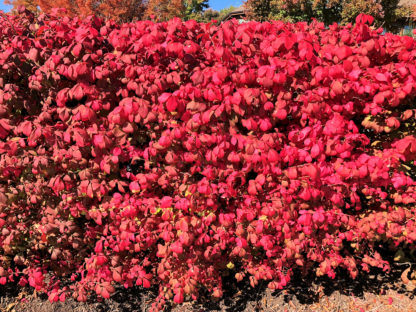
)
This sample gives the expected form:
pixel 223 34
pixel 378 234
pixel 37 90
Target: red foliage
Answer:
pixel 169 153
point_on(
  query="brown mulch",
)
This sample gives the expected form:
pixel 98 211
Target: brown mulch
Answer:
pixel 377 291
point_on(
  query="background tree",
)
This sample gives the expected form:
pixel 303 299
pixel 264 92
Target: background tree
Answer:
pixel 294 10
pixel 31 5
pixel 166 9
pixel 119 10
pixel 122 10
pixel 351 8
pixel 385 12
pixel 194 9
pixel 125 10
pixel 260 10
pixel 208 15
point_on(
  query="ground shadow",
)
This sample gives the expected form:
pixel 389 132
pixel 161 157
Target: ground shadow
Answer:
pixel 238 296
pixel 305 289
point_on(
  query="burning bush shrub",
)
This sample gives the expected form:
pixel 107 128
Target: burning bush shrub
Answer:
pixel 170 153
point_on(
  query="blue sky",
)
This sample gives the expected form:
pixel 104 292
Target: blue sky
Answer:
pixel 215 4
pixel 4 7
pixel 221 4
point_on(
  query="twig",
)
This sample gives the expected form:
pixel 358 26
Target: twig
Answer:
pixel 7 19
pixel 405 263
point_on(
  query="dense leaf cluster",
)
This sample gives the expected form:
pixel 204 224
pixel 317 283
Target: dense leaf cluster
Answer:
pixel 173 153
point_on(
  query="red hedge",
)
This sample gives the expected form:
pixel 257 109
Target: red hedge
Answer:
pixel 170 153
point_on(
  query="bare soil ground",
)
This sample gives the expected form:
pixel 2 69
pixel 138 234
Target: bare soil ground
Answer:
pixel 377 291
